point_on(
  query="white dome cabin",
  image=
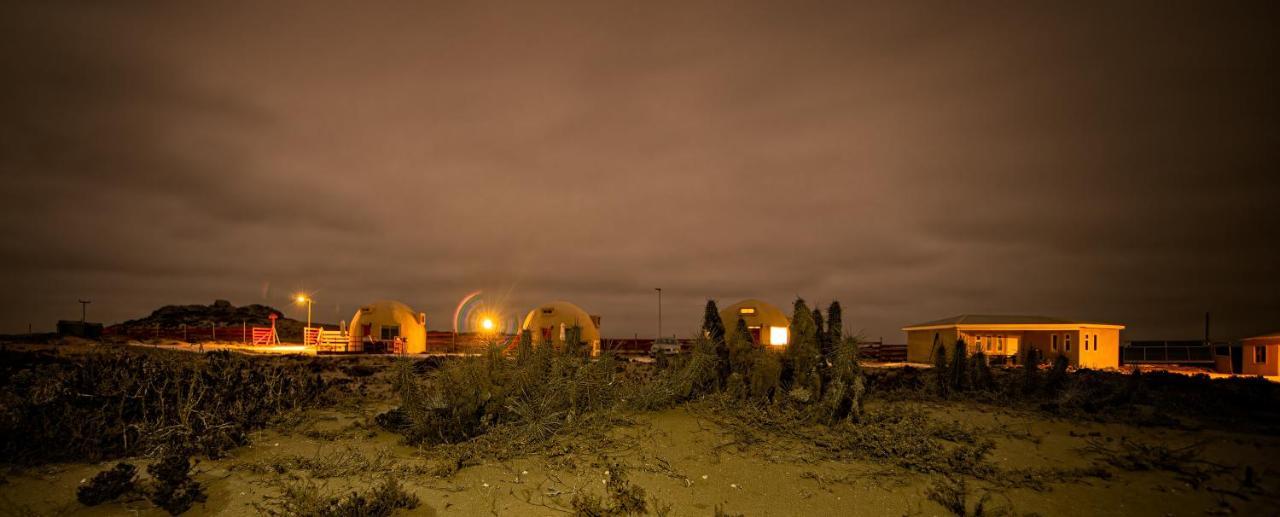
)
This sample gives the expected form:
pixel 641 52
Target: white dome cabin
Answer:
pixel 768 325
pixel 385 324
pixel 549 323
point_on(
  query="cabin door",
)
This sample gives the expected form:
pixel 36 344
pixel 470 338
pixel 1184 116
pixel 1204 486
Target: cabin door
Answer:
pixel 1237 359
pixel 755 335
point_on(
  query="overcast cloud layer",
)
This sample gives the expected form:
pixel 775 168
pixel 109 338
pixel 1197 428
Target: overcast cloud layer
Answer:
pixel 912 160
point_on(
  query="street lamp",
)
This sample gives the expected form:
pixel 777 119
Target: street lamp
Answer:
pixel 301 299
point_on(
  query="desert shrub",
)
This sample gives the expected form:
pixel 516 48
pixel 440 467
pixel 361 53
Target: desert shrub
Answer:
pixel 304 498
pixel 941 377
pixel 959 370
pixel 107 485
pixel 765 377
pixel 803 350
pixel 952 493
pixel 120 402
pixel 173 489
pixel 842 398
pixel 621 497
pixel 980 377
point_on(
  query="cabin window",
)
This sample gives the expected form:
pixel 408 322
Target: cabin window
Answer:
pixel 989 340
pixel 1260 354
pixel 390 331
pixel 777 335
pixel 1001 346
pixel 1054 340
pixel 747 311
pixel 1066 342
pixel 548 310
pixel 978 340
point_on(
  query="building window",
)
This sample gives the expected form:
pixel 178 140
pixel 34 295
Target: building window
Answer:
pixel 989 340
pixel 978 339
pixel 747 311
pixel 390 331
pixel 1260 354
pixel 1001 346
pixel 777 335
pixel 1066 342
pixel 1054 340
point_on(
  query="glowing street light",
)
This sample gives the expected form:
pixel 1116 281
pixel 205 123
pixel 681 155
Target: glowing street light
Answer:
pixel 301 299
pixel 487 324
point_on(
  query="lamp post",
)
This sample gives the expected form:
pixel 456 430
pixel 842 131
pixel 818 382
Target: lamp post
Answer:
pixel 659 290
pixel 301 299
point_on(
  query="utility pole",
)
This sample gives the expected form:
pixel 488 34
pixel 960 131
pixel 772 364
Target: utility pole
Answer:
pixel 659 290
pixel 84 304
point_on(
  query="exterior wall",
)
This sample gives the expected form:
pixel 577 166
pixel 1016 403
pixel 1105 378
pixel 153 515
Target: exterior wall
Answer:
pixel 413 328
pixel 562 315
pixel 1107 354
pixel 993 343
pixel 1251 367
pixel 920 343
pixel 766 316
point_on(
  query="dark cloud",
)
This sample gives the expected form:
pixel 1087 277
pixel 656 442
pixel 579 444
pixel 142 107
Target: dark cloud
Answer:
pixel 1102 161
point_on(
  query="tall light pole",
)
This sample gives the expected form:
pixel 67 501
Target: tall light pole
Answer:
pixel 301 299
pixel 659 290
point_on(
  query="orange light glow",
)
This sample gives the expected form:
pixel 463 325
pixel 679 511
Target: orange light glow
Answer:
pixel 486 324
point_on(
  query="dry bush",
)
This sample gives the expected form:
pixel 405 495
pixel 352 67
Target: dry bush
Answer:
pixel 115 403
pixel 305 498
pixel 107 485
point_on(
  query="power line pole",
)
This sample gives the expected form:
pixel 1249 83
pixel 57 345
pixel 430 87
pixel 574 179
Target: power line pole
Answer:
pixel 83 309
pixel 659 290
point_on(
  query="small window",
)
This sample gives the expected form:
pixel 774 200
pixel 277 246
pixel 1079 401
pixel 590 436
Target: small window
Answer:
pixel 390 331
pixel 548 310
pixel 978 340
pixel 1001 346
pixel 1054 340
pixel 990 339
pixel 1260 354
pixel 1066 342
pixel 747 311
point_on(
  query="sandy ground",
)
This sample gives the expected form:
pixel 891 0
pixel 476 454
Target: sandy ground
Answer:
pixel 680 459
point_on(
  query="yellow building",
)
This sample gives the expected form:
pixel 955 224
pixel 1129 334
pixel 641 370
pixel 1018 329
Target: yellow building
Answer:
pixel 385 321
pixel 1085 344
pixel 1260 355
pixel 768 325
pixel 549 322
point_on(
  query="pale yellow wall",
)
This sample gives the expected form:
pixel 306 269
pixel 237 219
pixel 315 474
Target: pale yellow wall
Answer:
pixel 562 314
pixel 1251 367
pixel 992 337
pixel 767 315
pixel 1107 354
pixel 920 344
pixel 413 328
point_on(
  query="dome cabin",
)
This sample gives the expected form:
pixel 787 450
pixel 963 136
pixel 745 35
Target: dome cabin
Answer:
pixel 381 325
pixel 549 322
pixel 768 325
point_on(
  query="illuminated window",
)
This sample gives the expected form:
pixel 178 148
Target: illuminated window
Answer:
pixel 1259 354
pixel 1054 340
pixel 1066 342
pixel 747 311
pixel 989 340
pixel 978 340
pixel 390 331
pixel 778 335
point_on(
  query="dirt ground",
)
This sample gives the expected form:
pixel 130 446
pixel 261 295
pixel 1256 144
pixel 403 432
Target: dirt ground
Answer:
pixel 686 462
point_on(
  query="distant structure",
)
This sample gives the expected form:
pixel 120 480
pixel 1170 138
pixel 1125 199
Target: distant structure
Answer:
pixel 1001 338
pixel 385 324
pixel 80 329
pixel 549 322
pixel 1257 355
pixel 768 324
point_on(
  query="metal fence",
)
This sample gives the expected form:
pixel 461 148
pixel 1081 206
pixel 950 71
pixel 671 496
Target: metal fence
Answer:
pixel 1167 352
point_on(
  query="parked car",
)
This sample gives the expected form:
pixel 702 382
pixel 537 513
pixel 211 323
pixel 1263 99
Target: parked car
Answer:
pixel 664 346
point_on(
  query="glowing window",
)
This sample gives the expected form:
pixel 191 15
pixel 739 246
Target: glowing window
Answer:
pixel 747 311
pixel 778 335
pixel 1259 354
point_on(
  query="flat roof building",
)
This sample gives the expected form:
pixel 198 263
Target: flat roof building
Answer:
pixel 1003 337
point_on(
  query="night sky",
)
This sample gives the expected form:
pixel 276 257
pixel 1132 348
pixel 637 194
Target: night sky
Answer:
pixel 913 160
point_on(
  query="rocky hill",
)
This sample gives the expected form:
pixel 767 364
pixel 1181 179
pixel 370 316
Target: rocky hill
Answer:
pixel 221 314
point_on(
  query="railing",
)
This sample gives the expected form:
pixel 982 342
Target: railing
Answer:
pixel 878 351
pixel 1166 352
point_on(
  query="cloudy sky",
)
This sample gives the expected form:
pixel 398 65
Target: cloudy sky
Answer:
pixel 913 160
